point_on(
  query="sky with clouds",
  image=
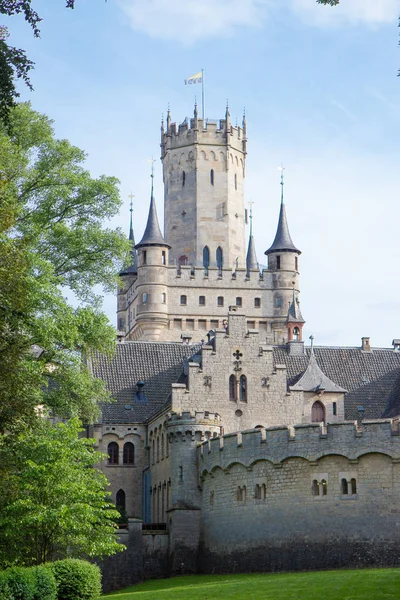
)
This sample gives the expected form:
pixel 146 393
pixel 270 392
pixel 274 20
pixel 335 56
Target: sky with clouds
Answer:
pixel 322 96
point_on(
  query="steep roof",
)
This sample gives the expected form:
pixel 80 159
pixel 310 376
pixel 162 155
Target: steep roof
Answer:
pixel 392 408
pixel 157 364
pixel 152 234
pixel 283 241
pixel 367 376
pixel 131 269
pixel 294 312
pixel 251 258
pixel 313 379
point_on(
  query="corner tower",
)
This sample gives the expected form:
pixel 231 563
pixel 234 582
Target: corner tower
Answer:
pixel 204 166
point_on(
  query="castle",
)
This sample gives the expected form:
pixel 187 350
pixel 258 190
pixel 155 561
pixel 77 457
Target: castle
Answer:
pixel 232 446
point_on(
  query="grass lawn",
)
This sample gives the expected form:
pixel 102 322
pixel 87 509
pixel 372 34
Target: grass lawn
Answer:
pixel 362 584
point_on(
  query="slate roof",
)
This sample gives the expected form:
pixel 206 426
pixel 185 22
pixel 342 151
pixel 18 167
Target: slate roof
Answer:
pixel 313 379
pixel 251 257
pixel 157 364
pixel 283 241
pixel 392 408
pixel 368 376
pixel 152 234
pixel 132 268
pixel 294 312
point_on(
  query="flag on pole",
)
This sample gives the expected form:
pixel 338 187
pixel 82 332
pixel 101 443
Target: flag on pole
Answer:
pixel 197 78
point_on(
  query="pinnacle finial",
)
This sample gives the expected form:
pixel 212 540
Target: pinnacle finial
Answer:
pixel 251 217
pixel 195 112
pixel 131 196
pixel 152 161
pixel 312 344
pixel 282 170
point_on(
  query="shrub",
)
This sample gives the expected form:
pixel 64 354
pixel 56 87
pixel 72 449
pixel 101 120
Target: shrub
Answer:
pixel 46 587
pixel 77 579
pixel 5 592
pixel 21 582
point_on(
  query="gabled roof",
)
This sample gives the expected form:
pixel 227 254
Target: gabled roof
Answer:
pixel 157 364
pixel 283 241
pixel 368 376
pixel 314 380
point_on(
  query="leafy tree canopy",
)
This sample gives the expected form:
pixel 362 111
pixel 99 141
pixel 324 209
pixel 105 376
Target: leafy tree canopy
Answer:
pixel 52 240
pixel 53 502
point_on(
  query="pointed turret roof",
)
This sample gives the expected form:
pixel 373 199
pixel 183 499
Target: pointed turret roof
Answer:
pixel 283 241
pixel 251 258
pixel 131 269
pixel 152 234
pixel 314 380
pixel 294 313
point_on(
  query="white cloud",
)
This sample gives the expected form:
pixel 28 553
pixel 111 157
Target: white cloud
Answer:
pixel 190 20
pixel 353 11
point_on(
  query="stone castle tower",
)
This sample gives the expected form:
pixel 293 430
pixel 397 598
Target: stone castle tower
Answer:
pixel 181 284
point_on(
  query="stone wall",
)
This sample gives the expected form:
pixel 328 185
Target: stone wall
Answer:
pixel 301 498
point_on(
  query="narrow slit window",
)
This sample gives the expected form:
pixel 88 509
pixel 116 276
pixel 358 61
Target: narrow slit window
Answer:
pixel 315 488
pixel 163 257
pixel 235 181
pixel 232 388
pixel 183 178
pixel 212 176
pixel 353 484
pixel 243 388
pixel 345 487
pixel 278 262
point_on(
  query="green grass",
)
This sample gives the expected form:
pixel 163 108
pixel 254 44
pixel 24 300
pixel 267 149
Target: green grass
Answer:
pixel 361 584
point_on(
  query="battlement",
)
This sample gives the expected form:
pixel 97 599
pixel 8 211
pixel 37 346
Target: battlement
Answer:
pixel 201 417
pixel 310 442
pixel 189 275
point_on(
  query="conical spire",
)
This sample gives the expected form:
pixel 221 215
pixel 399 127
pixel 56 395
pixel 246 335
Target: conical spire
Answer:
pixel 294 312
pixel 152 235
pixel 131 269
pixel 283 241
pixel 251 258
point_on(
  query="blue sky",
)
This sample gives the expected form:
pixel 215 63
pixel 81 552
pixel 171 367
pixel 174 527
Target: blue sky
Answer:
pixel 321 94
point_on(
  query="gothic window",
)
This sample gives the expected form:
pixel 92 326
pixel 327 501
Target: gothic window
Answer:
pixel 238 301
pixel 243 388
pixel 353 484
pixel 220 258
pixel 113 452
pixel 183 300
pixel 120 501
pixel 235 181
pixel 158 449
pixel 163 257
pixel 317 412
pixel 129 454
pixel 220 301
pixel 315 488
pixel 278 262
pixel 206 257
pixel 296 334
pixel 345 487
pixel 183 178
pixel 212 176
pixel 154 452
pixel 324 487
pixel 202 300
pixel 232 388
pixel 257 302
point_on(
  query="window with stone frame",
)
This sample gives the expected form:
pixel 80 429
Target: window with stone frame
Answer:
pixel 129 454
pixel 113 453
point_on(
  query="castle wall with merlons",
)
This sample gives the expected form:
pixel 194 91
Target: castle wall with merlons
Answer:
pixel 303 497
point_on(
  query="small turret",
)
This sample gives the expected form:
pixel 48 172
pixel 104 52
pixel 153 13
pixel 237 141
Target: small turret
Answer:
pixel 283 241
pixel 251 257
pixel 294 320
pixel 131 269
pixel 152 234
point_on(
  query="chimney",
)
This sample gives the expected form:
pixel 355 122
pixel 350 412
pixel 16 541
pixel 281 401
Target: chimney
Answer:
pixel 396 345
pixel 365 345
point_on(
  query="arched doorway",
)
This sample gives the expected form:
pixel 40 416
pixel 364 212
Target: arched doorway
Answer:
pixel 317 412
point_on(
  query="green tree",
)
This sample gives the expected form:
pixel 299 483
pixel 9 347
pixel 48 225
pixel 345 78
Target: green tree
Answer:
pixel 52 240
pixel 53 501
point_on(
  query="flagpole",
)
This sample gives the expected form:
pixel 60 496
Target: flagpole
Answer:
pixel 202 95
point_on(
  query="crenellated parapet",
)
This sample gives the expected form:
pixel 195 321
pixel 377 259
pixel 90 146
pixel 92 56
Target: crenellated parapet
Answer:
pixel 310 442
pixel 193 426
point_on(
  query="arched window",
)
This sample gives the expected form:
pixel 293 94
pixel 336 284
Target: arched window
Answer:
pixel 315 488
pixel 243 388
pixel 120 501
pixel 162 446
pixel 113 452
pixel 257 493
pixel 296 334
pixel 129 454
pixel 324 486
pixel 318 412
pixel 220 258
pixel 344 486
pixel 183 178
pixel 206 257
pixel 158 449
pixel 235 181
pixel 353 484
pixel 154 452
pixel 212 176
pixel 232 388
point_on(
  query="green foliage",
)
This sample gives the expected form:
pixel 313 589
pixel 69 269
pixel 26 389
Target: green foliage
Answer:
pixel 54 500
pixel 77 579
pixel 51 233
pixel 22 583
pixel 46 586
pixel 5 592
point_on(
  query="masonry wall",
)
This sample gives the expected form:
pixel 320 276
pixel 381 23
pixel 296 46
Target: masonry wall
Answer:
pixel 283 523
